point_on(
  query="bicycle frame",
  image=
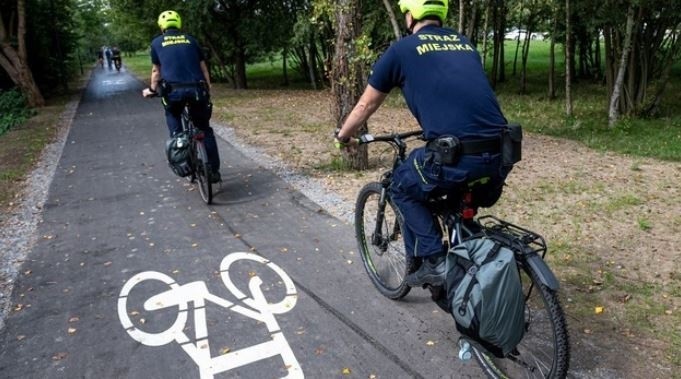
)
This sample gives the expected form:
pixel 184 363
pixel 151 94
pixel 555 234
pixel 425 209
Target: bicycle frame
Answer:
pixel 400 146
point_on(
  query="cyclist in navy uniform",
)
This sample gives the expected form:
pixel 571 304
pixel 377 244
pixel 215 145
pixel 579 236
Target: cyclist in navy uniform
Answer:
pixel 444 85
pixel 180 73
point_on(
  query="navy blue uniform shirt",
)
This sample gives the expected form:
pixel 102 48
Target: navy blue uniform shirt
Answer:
pixel 179 56
pixel 443 83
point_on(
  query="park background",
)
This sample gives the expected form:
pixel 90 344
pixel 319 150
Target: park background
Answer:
pixel 594 84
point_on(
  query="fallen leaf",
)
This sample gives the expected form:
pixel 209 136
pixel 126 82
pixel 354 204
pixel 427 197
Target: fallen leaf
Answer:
pixel 346 371
pixel 668 312
pixel 59 356
pixel 225 350
pixel 599 310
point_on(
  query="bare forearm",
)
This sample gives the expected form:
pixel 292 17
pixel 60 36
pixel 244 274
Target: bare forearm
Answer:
pixel 155 78
pixel 206 74
pixel 366 106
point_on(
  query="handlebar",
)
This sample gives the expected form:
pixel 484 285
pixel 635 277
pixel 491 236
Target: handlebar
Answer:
pixel 393 137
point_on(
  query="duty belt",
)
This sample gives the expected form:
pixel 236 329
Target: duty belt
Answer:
pixel 447 149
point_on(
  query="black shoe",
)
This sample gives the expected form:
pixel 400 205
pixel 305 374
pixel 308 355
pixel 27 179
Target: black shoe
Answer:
pixel 215 177
pixel 432 271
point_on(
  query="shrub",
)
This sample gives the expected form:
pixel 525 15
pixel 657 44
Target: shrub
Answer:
pixel 13 110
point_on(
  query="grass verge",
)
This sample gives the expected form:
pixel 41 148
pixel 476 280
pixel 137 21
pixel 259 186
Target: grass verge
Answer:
pixel 21 147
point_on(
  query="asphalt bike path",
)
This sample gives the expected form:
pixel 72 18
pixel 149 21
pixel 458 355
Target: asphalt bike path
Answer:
pixel 133 276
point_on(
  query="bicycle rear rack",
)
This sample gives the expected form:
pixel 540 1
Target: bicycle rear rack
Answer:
pixel 520 240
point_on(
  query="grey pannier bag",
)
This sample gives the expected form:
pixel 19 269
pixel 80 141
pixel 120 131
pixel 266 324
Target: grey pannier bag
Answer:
pixel 485 295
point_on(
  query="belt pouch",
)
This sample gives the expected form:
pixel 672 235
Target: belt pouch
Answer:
pixel 511 149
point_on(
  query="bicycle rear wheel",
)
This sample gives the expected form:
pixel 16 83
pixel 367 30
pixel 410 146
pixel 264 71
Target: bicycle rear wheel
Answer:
pixel 379 236
pixel 202 171
pixel 544 351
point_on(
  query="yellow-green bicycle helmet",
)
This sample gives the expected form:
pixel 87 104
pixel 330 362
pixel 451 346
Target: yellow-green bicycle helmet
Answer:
pixel 422 8
pixel 169 19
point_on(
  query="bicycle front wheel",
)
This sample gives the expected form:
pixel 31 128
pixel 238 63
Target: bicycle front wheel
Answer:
pixel 544 351
pixel 202 171
pixel 379 236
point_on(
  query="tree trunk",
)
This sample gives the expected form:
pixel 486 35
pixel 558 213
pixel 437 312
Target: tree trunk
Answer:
pixel 346 73
pixel 524 56
pixel 484 35
pixel 515 56
pixel 462 10
pixel 609 59
pixel 316 65
pixel 496 47
pixel 284 55
pixel 552 58
pixel 473 22
pixel 673 54
pixel 568 59
pixel 240 68
pixel 614 111
pixel 393 19
pixel 15 61
pixel 502 48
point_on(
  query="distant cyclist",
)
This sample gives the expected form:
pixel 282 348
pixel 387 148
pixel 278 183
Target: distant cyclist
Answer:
pixel 100 57
pixel 107 54
pixel 446 89
pixel 116 57
pixel 180 75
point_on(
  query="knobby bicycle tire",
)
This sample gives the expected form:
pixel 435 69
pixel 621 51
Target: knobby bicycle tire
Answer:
pixel 543 312
pixel 383 255
pixel 203 171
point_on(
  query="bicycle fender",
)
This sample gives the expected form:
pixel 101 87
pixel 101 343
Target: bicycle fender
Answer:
pixel 547 277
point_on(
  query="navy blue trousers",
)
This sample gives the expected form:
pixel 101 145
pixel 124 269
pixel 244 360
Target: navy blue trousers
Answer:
pixel 415 180
pixel 200 110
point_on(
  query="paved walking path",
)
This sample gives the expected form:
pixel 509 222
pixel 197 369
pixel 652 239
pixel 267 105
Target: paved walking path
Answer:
pixel 119 229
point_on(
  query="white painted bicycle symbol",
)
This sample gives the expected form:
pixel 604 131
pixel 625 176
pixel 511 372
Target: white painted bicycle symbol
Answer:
pixel 197 293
